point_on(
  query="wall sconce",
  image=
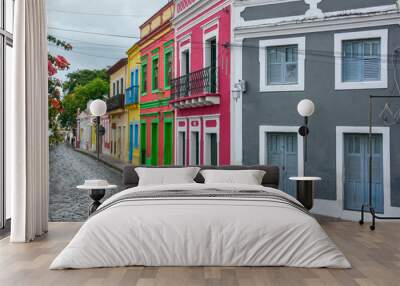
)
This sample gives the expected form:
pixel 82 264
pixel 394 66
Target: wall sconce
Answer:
pixel 306 109
pixel 239 88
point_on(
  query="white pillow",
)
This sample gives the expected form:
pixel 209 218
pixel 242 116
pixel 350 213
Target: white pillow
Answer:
pixel 247 177
pixel 166 176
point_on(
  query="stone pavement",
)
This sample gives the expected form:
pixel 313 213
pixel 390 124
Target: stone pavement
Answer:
pixel 68 169
pixel 106 159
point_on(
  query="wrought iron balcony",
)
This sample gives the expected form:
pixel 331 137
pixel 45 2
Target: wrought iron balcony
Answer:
pixel 132 95
pixel 201 81
pixel 196 89
pixel 116 102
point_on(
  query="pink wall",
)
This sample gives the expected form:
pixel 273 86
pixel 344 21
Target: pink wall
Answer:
pixel 224 66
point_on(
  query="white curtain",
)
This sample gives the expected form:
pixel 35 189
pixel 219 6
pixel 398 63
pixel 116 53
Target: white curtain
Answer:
pixel 27 124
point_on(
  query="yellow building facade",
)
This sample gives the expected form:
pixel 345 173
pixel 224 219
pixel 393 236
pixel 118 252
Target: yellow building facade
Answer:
pixel 117 114
pixel 132 106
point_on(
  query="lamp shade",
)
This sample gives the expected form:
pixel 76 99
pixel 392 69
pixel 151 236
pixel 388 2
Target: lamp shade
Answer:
pixel 98 107
pixel 306 108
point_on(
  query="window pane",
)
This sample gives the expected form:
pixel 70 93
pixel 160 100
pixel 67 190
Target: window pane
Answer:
pixel 155 74
pixel 376 48
pixel 372 70
pixel 8 90
pixel 291 73
pixel 361 60
pixel 9 15
pixel 352 70
pixel 282 65
pixel 275 73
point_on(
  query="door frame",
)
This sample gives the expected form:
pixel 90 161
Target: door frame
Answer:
pixel 340 132
pixel 265 129
pixel 194 129
pixel 211 130
pixel 181 125
pixel 155 146
pixel 169 121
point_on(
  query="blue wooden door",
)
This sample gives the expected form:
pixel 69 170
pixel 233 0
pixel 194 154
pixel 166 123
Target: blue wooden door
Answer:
pixel 136 81
pixel 282 152
pixel 356 164
pixel 130 142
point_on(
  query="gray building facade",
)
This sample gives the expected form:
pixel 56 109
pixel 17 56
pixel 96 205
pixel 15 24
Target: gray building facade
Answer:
pixel 336 53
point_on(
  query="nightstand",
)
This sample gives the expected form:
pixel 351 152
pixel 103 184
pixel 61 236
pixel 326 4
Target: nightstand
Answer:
pixel 97 190
pixel 306 190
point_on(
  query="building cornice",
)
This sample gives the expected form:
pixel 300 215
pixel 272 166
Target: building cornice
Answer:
pixel 195 10
pixel 328 23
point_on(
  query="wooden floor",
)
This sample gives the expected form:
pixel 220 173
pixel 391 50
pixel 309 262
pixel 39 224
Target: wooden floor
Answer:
pixel 375 257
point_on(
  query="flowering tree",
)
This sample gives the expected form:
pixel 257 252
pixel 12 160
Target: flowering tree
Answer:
pixel 55 64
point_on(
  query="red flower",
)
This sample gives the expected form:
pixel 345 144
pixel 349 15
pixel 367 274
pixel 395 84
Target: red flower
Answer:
pixel 51 69
pixel 55 103
pixel 61 62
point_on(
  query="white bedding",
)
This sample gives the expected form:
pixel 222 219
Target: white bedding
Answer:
pixel 200 232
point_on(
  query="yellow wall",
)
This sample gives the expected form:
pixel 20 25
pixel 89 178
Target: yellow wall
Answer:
pixel 133 110
pixel 116 76
pixel 118 118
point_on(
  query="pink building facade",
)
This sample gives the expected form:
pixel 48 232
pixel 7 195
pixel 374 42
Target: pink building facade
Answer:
pixel 201 91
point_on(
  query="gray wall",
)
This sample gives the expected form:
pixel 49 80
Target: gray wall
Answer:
pixel 285 9
pixel 333 108
pixel 297 8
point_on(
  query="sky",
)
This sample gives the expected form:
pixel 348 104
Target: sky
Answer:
pixel 120 17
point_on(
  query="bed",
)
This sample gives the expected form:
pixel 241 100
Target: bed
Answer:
pixel 197 224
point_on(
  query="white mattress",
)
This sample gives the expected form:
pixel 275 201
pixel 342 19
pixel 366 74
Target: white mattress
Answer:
pixel 200 232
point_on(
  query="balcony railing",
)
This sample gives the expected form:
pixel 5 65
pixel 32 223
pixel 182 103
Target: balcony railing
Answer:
pixel 132 95
pixel 201 81
pixel 116 102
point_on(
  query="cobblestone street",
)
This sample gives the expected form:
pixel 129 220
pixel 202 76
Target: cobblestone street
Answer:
pixel 69 169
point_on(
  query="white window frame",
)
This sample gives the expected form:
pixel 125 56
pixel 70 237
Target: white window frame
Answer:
pixel 370 34
pixel 177 144
pixel 210 130
pixel 301 47
pixel 206 38
pixel 265 129
pixel 193 129
pixel 183 49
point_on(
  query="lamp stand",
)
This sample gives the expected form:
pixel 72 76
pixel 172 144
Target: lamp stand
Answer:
pixel 98 137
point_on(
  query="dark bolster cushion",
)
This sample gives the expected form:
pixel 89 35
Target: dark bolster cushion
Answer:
pixel 270 179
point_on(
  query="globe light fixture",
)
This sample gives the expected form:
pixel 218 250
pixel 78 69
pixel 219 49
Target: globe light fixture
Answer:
pixel 98 108
pixel 306 108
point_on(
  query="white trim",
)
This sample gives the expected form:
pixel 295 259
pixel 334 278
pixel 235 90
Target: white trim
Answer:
pixel 301 42
pixel 192 130
pixel 209 130
pixel 187 47
pixel 206 37
pixel 180 21
pixel 337 23
pixel 385 131
pixel 177 141
pixel 236 106
pixel 249 3
pixel 322 17
pixel 210 23
pixel 339 38
pixel 265 129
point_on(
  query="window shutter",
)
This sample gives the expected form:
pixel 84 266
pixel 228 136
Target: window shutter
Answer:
pixel 361 60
